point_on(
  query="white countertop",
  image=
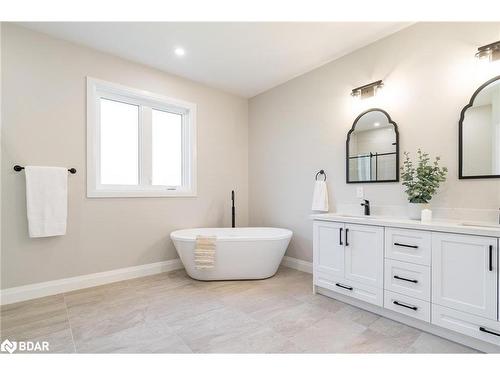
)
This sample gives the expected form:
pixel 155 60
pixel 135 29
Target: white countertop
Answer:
pixel 473 228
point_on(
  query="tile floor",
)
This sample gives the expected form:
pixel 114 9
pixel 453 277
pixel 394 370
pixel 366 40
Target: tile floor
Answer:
pixel 171 313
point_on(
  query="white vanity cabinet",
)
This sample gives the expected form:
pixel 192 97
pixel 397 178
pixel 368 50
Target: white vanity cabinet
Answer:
pixel 438 277
pixel 364 254
pixel 348 258
pixel 328 252
pixel 465 273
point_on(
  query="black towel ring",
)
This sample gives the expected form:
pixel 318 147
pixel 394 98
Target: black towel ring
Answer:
pixel 322 172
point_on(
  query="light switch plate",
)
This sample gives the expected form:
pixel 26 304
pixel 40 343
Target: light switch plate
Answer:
pixel 360 193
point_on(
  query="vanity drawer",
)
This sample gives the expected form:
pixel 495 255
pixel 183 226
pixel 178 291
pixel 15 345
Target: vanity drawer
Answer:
pixel 353 289
pixel 408 245
pixel 467 324
pixel 413 280
pixel 410 306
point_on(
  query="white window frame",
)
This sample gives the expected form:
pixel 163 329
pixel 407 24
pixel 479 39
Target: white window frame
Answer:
pixel 147 101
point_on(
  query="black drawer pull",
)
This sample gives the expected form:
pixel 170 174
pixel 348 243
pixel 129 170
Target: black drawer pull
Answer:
pixel 490 265
pixel 404 245
pixel 346 231
pixel 482 329
pixel 344 286
pixel 340 237
pixel 415 308
pixel 402 278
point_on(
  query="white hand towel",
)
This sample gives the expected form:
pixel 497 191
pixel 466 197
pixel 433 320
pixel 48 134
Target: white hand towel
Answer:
pixel 320 197
pixel 46 200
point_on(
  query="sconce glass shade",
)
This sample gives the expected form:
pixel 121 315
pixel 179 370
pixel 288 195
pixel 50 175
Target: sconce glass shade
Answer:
pixel 489 52
pixel 367 91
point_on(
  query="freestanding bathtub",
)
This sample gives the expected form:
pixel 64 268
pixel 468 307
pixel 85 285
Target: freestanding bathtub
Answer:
pixel 241 253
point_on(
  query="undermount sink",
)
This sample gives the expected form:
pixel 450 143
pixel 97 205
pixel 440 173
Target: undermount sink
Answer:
pixel 484 225
pixel 355 216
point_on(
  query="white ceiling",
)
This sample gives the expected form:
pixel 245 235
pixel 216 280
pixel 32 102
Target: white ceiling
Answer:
pixel 241 58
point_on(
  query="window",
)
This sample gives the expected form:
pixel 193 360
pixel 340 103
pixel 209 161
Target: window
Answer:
pixel 139 144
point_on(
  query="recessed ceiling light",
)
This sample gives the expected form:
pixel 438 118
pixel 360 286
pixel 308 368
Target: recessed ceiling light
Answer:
pixel 376 124
pixel 179 51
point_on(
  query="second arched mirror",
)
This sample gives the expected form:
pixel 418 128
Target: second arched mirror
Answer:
pixel 479 133
pixel 372 148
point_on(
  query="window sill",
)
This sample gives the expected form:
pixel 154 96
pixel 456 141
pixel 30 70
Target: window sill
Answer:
pixel 141 194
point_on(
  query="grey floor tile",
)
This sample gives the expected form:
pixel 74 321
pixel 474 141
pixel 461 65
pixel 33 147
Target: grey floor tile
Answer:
pixel 172 313
pixel 29 312
pixel 329 335
pixel 43 319
pixel 144 338
pixel 431 344
pixel 375 342
pixel 260 340
pixel 329 304
pixel 289 321
pixel 199 332
pixel 354 314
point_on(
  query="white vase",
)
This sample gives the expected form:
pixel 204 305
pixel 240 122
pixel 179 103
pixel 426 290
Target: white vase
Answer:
pixel 415 210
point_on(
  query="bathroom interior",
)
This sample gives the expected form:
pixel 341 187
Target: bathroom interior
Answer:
pixel 250 187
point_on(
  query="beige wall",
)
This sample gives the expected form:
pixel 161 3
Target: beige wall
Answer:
pixel 43 115
pixel 1 117
pixel 300 127
pixel 294 130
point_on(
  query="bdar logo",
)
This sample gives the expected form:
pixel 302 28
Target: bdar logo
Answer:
pixel 8 346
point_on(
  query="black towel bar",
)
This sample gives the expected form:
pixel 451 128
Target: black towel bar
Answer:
pixel 321 172
pixel 18 168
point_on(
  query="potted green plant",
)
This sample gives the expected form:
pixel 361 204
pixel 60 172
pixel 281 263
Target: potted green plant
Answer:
pixel 421 181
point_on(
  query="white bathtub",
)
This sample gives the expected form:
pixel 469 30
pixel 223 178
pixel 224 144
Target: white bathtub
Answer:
pixel 242 253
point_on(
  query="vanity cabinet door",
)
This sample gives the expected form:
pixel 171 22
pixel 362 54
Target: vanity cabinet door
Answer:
pixel 464 273
pixel 364 254
pixel 328 249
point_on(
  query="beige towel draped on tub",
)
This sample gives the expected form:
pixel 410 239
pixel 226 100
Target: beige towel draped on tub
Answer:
pixel 204 252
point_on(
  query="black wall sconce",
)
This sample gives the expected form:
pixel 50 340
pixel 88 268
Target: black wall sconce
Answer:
pixel 489 52
pixel 367 91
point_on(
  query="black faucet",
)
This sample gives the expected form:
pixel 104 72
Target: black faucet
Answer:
pixel 233 213
pixel 366 205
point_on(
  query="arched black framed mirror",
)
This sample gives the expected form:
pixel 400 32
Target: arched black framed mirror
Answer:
pixel 479 133
pixel 372 148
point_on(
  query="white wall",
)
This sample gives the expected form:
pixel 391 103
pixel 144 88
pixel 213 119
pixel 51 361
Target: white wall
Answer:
pixel 300 127
pixel 1 25
pixel 43 115
pixel 295 129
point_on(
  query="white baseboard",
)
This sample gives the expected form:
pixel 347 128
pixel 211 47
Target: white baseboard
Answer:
pixel 297 264
pixel 31 291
